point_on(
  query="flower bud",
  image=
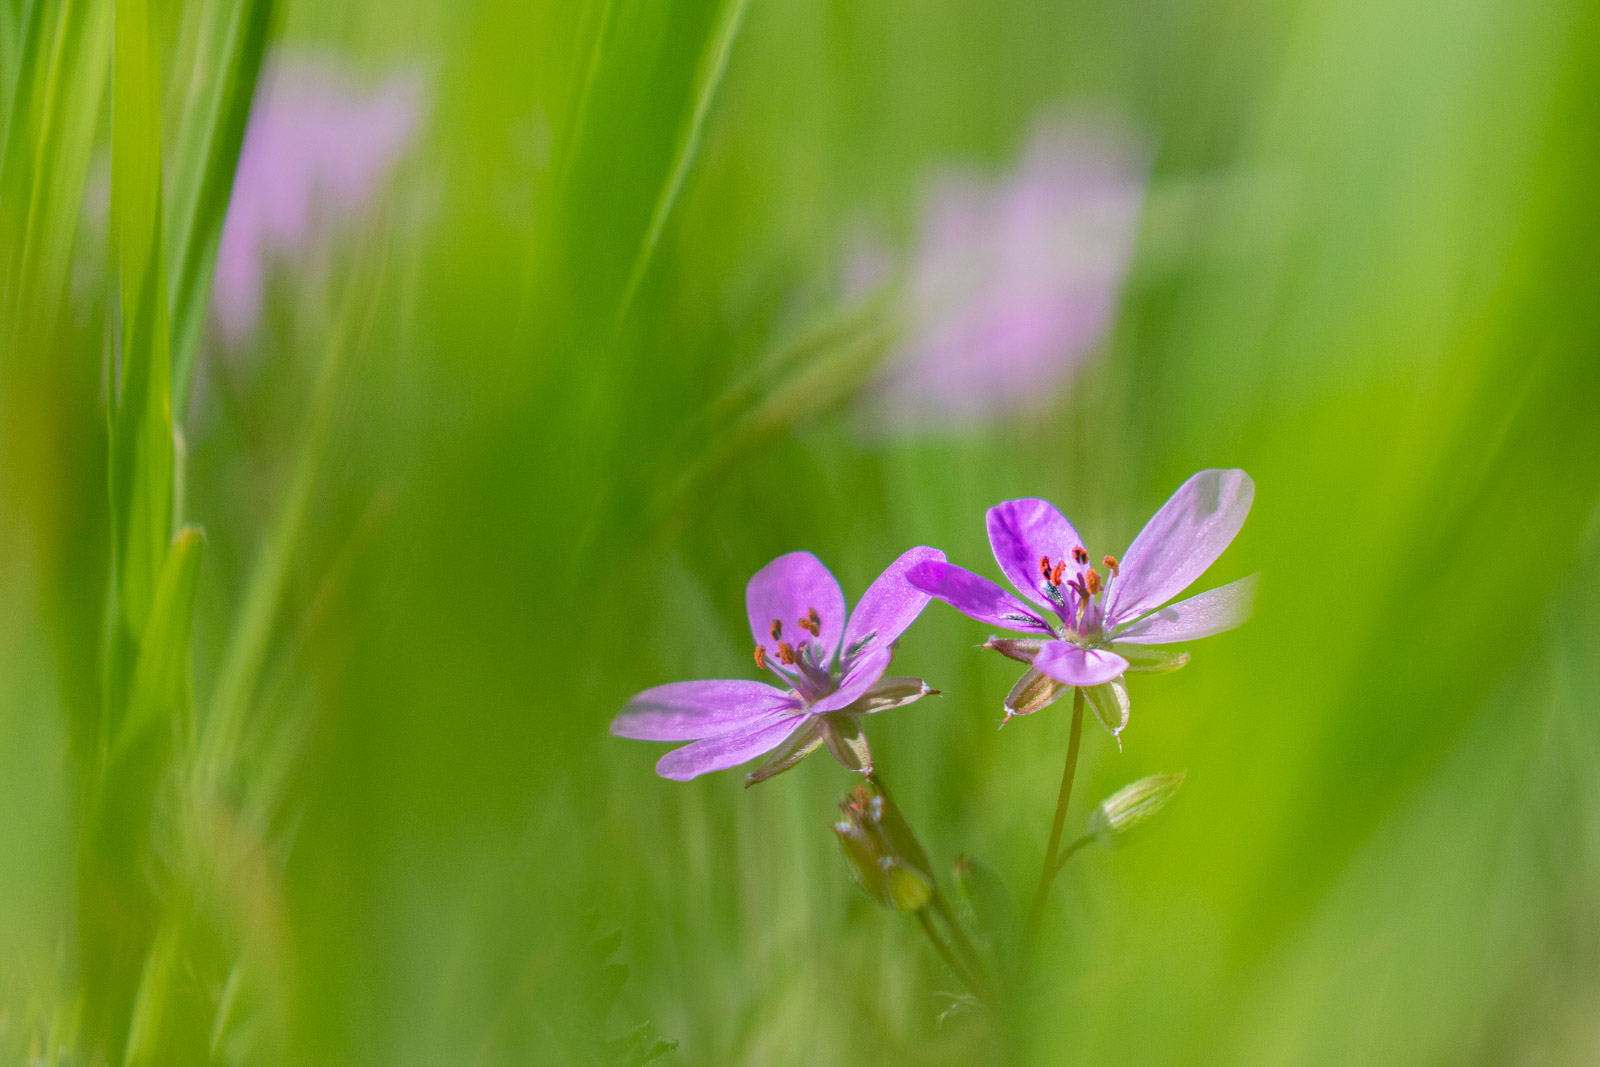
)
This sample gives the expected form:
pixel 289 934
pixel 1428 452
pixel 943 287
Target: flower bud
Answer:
pixel 884 855
pixel 1133 805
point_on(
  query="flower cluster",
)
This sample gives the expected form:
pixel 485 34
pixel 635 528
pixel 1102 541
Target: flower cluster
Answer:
pixel 1082 628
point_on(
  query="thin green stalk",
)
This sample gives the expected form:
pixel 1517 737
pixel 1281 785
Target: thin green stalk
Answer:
pixel 950 959
pixel 963 944
pixel 1052 857
pixel 1067 853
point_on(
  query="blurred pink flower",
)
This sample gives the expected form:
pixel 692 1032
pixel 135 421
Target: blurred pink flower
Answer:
pixel 1014 281
pixel 315 150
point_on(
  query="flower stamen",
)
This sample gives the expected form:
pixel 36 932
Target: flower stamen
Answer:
pixel 776 629
pixel 1110 565
pixel 812 623
pixel 1080 555
pixel 786 654
pixel 761 657
pixel 1057 574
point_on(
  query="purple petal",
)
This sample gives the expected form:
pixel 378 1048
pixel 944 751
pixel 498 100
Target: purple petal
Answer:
pixel 729 749
pixel 685 711
pixel 889 605
pixel 1180 541
pixel 1020 532
pixel 1066 662
pixel 862 675
pixel 1209 613
pixel 785 591
pixel 975 597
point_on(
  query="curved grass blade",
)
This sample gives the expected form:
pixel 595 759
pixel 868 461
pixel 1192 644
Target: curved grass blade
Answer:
pixel 708 77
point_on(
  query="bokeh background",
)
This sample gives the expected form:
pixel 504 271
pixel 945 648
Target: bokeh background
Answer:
pixel 508 338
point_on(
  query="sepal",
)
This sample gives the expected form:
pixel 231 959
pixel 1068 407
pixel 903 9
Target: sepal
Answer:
pixel 1150 659
pixel 796 747
pixel 1034 691
pixel 1021 649
pixel 1110 703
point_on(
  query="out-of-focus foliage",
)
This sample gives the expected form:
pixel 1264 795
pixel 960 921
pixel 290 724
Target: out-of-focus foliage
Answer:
pixel 506 442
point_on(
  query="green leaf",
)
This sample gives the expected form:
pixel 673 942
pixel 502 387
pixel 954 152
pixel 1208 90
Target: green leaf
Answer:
pixel 160 690
pixel 233 36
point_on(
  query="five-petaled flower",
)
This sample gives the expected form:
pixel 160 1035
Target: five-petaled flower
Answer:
pixel 1094 627
pixel 830 670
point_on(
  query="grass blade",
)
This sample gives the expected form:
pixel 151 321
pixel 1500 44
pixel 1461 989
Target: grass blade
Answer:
pixel 160 690
pixel 233 40
pixel 708 78
pixel 140 411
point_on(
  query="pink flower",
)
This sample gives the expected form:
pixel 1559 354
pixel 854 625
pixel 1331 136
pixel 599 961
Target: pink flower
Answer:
pixel 797 617
pixel 1014 282
pixel 1090 628
pixel 315 151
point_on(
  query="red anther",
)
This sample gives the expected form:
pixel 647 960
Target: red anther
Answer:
pixel 776 629
pixel 786 653
pixel 1044 567
pixel 761 657
pixel 1080 555
pixel 1111 565
pixel 1092 579
pixel 1055 575
pixel 812 623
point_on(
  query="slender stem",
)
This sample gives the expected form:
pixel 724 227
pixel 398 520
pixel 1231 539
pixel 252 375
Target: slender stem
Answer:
pixel 963 944
pixel 949 957
pixel 1066 853
pixel 1052 863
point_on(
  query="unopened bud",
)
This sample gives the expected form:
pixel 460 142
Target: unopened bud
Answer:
pixel 1132 806
pixel 884 855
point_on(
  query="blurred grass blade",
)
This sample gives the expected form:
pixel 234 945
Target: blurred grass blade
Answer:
pixel 227 67
pixel 246 651
pixel 140 411
pixel 55 101
pixel 160 688
pixel 707 79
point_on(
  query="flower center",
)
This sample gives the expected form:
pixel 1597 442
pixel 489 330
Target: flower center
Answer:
pixel 801 666
pixel 1078 592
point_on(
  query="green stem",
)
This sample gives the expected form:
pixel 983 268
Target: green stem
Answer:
pixel 963 944
pixel 1067 853
pixel 950 959
pixel 1052 857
